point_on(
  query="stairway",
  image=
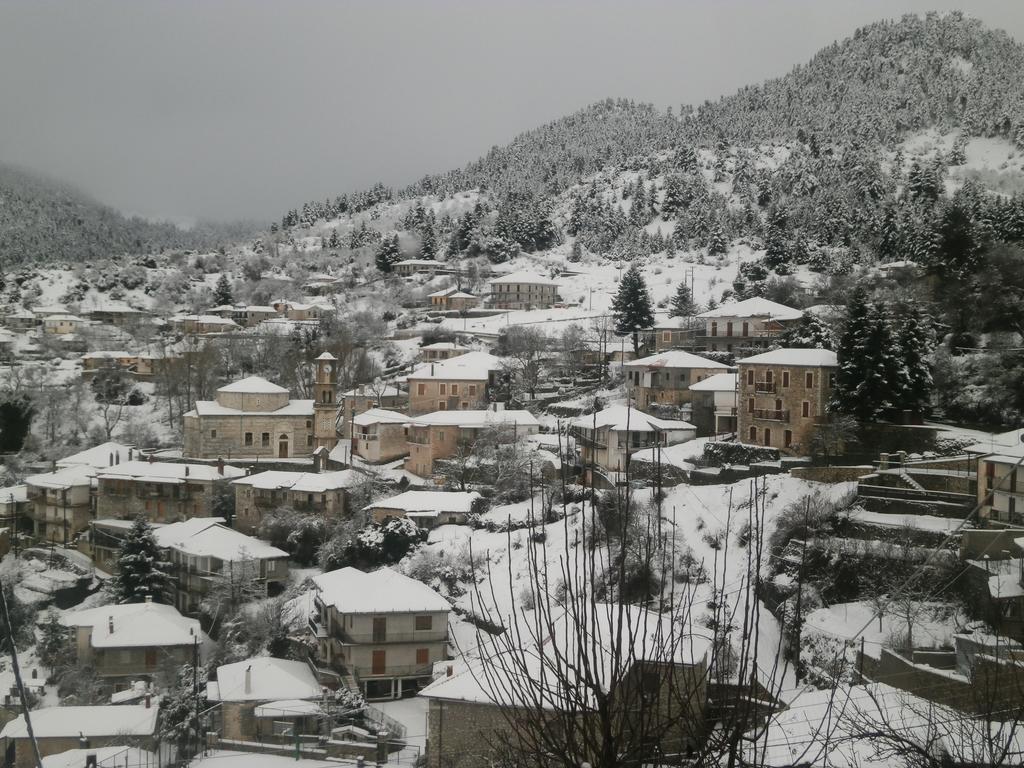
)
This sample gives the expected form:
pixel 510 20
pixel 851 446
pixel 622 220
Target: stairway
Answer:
pixel 906 478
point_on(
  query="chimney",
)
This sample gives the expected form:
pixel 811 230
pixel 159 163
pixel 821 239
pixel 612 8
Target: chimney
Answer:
pixel 110 624
pixel 431 369
pixel 248 679
pixel 130 452
pixel 186 470
pixel 148 700
pixel 149 598
pixel 220 466
pixel 449 670
pixel 151 458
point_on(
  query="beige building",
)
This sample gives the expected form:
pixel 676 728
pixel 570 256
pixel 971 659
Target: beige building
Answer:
pixel 743 325
pixel 201 325
pixel 608 438
pixel 783 396
pixel 462 383
pixel 1000 479
pixel 251 418
pixel 383 628
pixel 439 435
pixel 264 699
pixel 134 640
pixel 427 508
pixel 323 493
pixel 162 492
pixel 675 333
pixel 365 398
pixel 380 435
pixel 63 324
pixel 713 404
pixel 441 350
pixel 410 267
pixel 665 378
pixel 523 290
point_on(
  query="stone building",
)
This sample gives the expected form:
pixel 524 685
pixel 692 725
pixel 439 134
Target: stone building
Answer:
pixel 384 629
pixel 251 418
pixel 466 382
pixel 63 324
pixel 379 435
pixel 522 290
pixel 439 435
pixel 427 508
pixel 325 405
pixel 363 398
pixel 441 350
pixel 783 396
pixel 202 325
pixel 665 378
pixel 410 267
pixel 744 325
pixel 322 493
pixel 162 492
pixel 713 404
pixel 1000 478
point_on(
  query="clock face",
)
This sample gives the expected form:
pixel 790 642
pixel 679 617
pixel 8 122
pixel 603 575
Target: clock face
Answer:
pixel 327 368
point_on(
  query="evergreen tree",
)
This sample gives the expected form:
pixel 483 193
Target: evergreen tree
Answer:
pixel 388 254
pixel 428 242
pixel 178 724
pixel 54 641
pixel 717 244
pixel 576 252
pixel 631 306
pixel 775 241
pixel 222 295
pixel 334 242
pixel 141 572
pixel 809 333
pixel 867 380
pixel 915 343
pixel 683 304
pixel 673 201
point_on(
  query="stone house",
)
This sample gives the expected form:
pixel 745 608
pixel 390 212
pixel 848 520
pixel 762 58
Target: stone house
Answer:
pixel 101 360
pixel 201 325
pixel 120 316
pixel 126 642
pixel 461 301
pixel 1000 478
pixel 322 493
pixel 251 418
pixel 264 699
pixel 410 267
pixel 713 404
pixel 253 314
pixel 427 508
pixel 466 382
pixel 674 333
pixel 439 299
pixel 22 320
pixel 783 396
pixel 439 435
pixel 205 555
pixel 743 325
pixel 441 350
pixel 14 508
pixel 162 492
pixel 471 707
pixel 665 378
pixel 523 290
pixel 63 324
pixel 61 502
pixel 606 439
pixel 60 729
pixel 383 628
pixel 293 310
pixel 363 398
pixel 379 435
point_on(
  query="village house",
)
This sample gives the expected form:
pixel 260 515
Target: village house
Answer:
pixel 363 398
pixel 427 509
pixel 410 267
pixel 608 438
pixel 92 362
pixel 205 555
pixel 161 491
pixel 452 300
pixel 462 383
pixel 251 418
pixel 441 350
pixel 523 290
pixel 202 325
pixel 22 320
pixel 119 316
pixel 1000 478
pixel 294 310
pixel 122 643
pixel 379 435
pixel 993 558
pixel 252 315
pixel 264 699
pixel 783 396
pixel 744 325
pixel 6 344
pixel 472 707
pixel 62 324
pixel 439 435
pixel 14 508
pixel 322 493
pixel 674 333
pixel 384 629
pixel 713 404
pixel 61 502
pixel 665 378
pixel 59 729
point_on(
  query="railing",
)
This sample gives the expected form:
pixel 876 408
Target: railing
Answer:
pixel 589 442
pixel 397 670
pixel 771 414
pixel 424 635
pixel 768 387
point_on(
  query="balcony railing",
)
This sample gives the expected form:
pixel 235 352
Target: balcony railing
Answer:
pixel 397 670
pixel 368 638
pixel 771 415
pixel 768 387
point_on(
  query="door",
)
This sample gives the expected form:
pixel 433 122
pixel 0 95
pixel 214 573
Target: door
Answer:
pixel 380 630
pixel 150 658
pixel 379 662
pixel 282 447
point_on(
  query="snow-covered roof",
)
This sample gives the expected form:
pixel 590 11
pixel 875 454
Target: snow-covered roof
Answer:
pixel 213 408
pixel 259 308
pixel 15 493
pixel 428 501
pixel 756 306
pixel 674 358
pixel 461 295
pixel 523 278
pixel 209 537
pixel 1005 447
pixel 418 263
pixel 720 382
pixel 443 346
pixel 619 418
pixel 269 679
pixel 326 356
pixel 254 385
pixel 64 318
pixel 167 472
pixel 388 391
pixel 472 366
pixel 105 756
pixel 136 625
pixel 205 319
pixel 70 722
pixel 350 590
pixel 303 482
pixel 475 419
pixel 379 416
pixel 107 355
pixel 442 293
pixel 103 455
pixel 810 358
pixel 288 708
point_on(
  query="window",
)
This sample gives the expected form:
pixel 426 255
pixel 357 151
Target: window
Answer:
pixel 379 663
pixel 787 437
pixel 455 390
pixel 666 336
pixel 422 657
pixel 728 329
pixel 309 439
pixel 472 389
pixel 442 389
pixel 753 434
pixel 831 379
pixel 809 380
pixel 213 434
pixel 440 436
pixel 805 409
pixel 248 438
pixel 769 376
pixel 421 389
pixel 750 405
pixel 442 405
pixel 750 377
pixel 309 424
pixel 768 437
pixel 714 329
pixel 785 378
pixel 424 622
pixel 265 439
pixel 746 329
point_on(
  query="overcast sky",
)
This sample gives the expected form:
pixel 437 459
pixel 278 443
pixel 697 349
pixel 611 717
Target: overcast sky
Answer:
pixel 200 108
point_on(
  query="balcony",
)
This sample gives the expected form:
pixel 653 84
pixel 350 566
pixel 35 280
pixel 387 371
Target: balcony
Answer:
pixel 765 387
pixel 771 415
pixel 397 670
pixel 368 638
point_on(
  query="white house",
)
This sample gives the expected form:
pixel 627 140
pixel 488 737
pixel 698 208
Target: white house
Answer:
pixel 427 508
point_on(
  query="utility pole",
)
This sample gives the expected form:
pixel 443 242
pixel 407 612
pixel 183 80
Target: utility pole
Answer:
pixel 195 690
pixel 8 630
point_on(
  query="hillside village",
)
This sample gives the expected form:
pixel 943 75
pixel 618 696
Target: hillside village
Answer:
pixel 651 468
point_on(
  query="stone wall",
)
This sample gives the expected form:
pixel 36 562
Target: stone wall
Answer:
pixel 832 474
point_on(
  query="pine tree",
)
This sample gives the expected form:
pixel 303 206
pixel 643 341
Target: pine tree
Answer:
pixel 178 716
pixel 576 252
pixel 388 254
pixel 915 343
pixel 428 242
pixel 54 641
pixel 631 306
pixel 809 333
pixel 867 379
pixel 222 295
pixel 683 304
pixel 775 242
pixel 717 244
pixel 142 573
pixel 673 201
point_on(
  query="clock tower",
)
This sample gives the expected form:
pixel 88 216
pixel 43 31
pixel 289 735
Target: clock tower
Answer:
pixel 325 431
